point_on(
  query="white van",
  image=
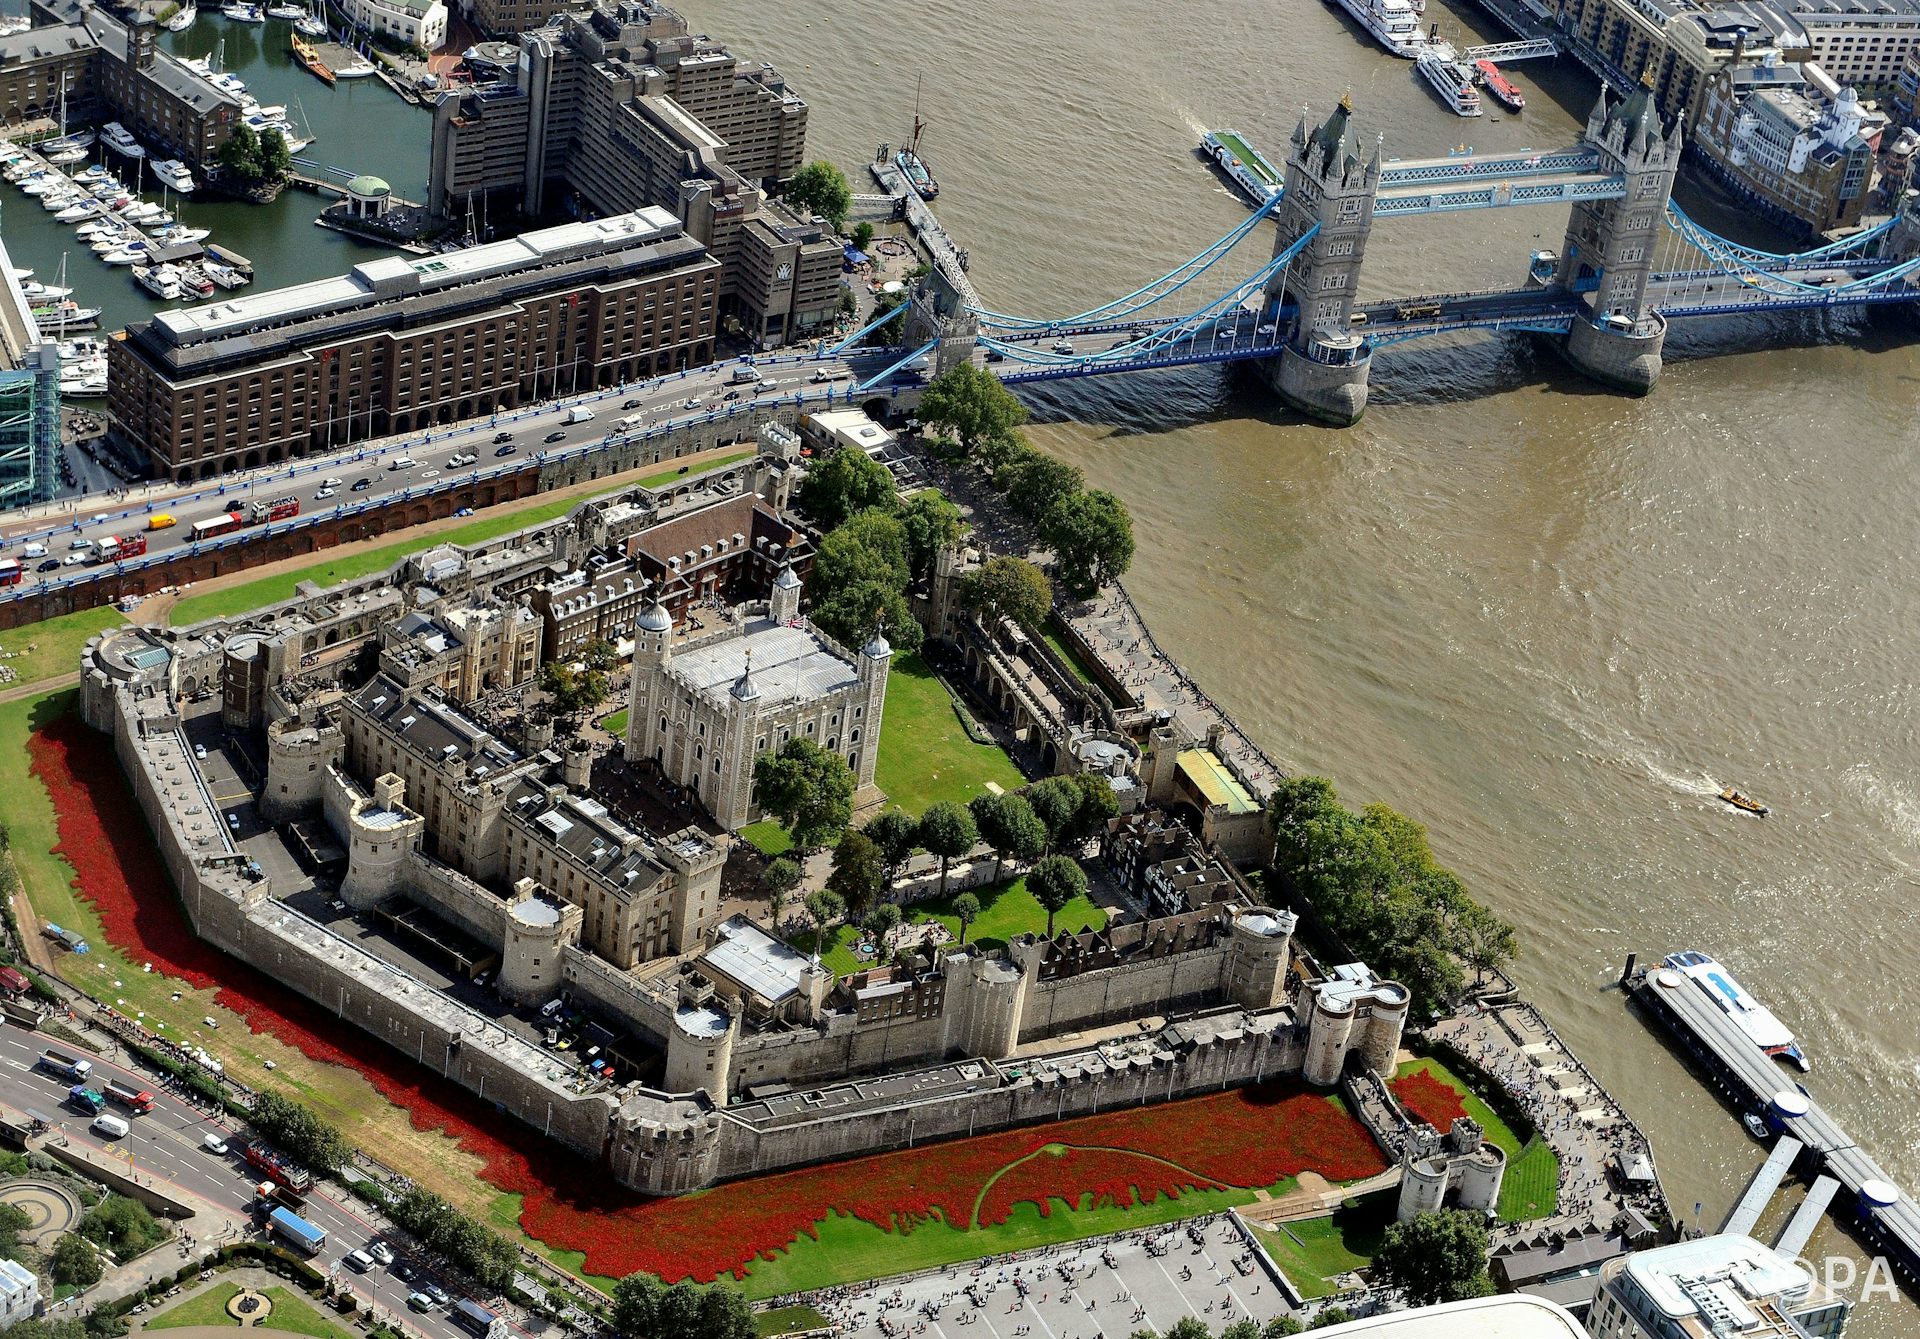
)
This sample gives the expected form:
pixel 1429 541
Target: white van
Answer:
pixel 578 414
pixel 109 1126
pixel 400 463
pixel 34 551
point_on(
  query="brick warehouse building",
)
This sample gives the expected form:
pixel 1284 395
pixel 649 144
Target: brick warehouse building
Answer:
pixel 400 343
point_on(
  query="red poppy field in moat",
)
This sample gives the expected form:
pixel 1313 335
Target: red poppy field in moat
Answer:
pixel 1433 1101
pixel 1245 1138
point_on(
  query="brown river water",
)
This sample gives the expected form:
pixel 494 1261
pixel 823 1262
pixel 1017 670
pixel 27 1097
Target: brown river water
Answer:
pixel 1547 621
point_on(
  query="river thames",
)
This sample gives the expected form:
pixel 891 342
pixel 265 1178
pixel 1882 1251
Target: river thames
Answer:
pixel 1547 621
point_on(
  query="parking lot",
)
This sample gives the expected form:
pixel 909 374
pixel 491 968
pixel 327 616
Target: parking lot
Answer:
pixel 1102 1289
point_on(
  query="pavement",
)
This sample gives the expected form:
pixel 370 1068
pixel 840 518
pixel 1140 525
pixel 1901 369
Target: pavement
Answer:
pixel 166 1148
pixel 1105 1288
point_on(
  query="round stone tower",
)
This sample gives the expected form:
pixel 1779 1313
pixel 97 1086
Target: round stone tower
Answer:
pixel 1423 1185
pixel 299 751
pixel 537 926
pixel 700 1051
pixel 1258 957
pixel 1329 1029
pixel 380 833
pixel 1388 1010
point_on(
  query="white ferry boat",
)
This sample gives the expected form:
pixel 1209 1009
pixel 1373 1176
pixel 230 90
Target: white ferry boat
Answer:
pixel 1244 165
pixel 118 138
pixel 1394 24
pixel 1452 80
pixel 1754 1019
pixel 175 175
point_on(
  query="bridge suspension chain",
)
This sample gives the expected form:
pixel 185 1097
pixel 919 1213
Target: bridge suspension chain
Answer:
pixel 1720 248
pixel 1141 298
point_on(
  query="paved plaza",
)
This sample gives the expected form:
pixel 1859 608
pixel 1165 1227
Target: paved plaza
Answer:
pixel 1105 1288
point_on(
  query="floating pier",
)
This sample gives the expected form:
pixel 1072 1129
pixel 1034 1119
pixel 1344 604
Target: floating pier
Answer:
pixel 1886 1219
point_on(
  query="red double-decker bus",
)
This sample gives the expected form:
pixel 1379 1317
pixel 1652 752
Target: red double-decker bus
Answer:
pixel 216 525
pixel 11 572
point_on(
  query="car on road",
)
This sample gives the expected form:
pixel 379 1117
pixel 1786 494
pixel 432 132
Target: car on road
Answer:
pixel 81 545
pixel 322 494
pixel 556 436
pixel 404 1271
pixel 381 1252
pixel 731 395
pixel 1063 347
pixel 459 458
pixel 359 1261
pixel 420 1302
pixel 214 1144
pixel 50 565
pixel 362 484
pixel 503 437
pixel 330 482
pixel 1267 331
pixel 464 511
pixel 435 1291
pixel 400 463
pixel 73 559
pixel 233 821
pixel 631 404
pixel 506 450
pixel 692 402
pixel 200 752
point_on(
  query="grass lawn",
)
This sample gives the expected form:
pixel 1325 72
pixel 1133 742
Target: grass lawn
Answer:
pixel 925 754
pixel 676 472
pixel 296 1315
pixel 1531 1188
pixel 616 724
pixel 847 1248
pixel 787 1320
pixel 175 1009
pixel 768 837
pixel 1052 637
pixel 1005 911
pixel 51 648
pixel 209 1308
pixel 1312 1251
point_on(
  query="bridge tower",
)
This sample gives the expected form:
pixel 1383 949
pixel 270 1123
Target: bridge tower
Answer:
pixel 937 310
pixel 1322 369
pixel 1617 340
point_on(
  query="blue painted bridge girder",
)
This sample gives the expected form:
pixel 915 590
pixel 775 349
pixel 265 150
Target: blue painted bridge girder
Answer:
pixel 1577 161
pixel 1448 197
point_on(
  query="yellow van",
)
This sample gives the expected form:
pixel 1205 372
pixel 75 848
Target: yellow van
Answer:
pixel 161 520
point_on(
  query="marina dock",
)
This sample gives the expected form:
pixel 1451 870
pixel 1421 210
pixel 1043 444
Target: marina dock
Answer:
pixel 1885 1217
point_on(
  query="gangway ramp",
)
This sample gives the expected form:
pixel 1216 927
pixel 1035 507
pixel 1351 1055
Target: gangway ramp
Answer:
pixel 1508 52
pixel 1799 1229
pixel 1746 1214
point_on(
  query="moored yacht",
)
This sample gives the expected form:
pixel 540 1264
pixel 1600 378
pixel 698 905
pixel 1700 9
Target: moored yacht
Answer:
pixel 183 18
pixel 1451 79
pixel 1394 24
pixel 118 138
pixel 173 174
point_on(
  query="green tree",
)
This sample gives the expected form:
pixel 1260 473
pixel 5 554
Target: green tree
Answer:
pixel 853 614
pixel 646 1308
pixel 1091 535
pixel 862 235
pixel 1282 1327
pixel 1008 587
pixel 1056 800
pixel 779 878
pixel 1035 481
pixel 972 403
pixel 304 1136
pixel 1008 824
pixel 13 1221
pixel 240 155
pixel 571 691
pixel 1241 1329
pixel 122 1225
pixel 889 334
pixel 1435 1257
pixel 1487 943
pixel 947 831
pixel 601 654
pixel 859 870
pixel 823 188
pixel 894 831
pixel 881 920
pixel 807 788
pixel 995 451
pixel 847 482
pixel 1098 803
pixel 276 157
pixel 826 907
pixel 966 908
pixel 1333 1315
pixel 931 524
pixel 74 1261
pixel 869 546
pixel 465 1242
pixel 1188 1327
pixel 1054 881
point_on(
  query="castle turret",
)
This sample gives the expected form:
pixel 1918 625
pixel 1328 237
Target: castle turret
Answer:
pixel 784 603
pixel 1329 1027
pixel 700 1047
pixel 381 831
pixel 1257 960
pixel 576 765
pixel 538 926
pixel 299 752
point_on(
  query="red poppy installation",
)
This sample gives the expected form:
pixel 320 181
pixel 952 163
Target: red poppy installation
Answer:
pixel 1432 1100
pixel 1249 1137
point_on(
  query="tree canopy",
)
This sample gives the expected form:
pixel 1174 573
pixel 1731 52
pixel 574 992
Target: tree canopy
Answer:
pixel 807 788
pixel 1091 535
pixel 466 1243
pixel 931 523
pixel 947 831
pixel 1008 587
pixel 859 871
pixel 972 403
pixel 305 1137
pixel 1435 1257
pixel 1034 481
pixel 1376 884
pixel 894 832
pixel 74 1261
pixel 1054 881
pixel 252 158
pixel 646 1308
pixel 966 909
pixel 822 188
pixel 1008 824
pixel 845 483
pixel 572 691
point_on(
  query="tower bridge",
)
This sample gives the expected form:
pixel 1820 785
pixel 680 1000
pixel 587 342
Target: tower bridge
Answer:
pixel 1631 262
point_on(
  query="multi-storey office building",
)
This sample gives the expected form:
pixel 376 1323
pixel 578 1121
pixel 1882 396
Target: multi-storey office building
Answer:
pixel 402 342
pixel 29 399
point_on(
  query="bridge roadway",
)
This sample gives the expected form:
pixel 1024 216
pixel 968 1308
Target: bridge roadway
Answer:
pixel 665 403
pixel 165 1145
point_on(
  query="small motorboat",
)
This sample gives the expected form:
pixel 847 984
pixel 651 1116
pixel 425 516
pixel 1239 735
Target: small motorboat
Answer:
pixel 183 18
pixel 1745 803
pixel 243 13
pixel 1755 1126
